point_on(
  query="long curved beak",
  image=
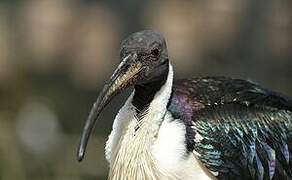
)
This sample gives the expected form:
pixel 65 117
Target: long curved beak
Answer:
pixel 124 76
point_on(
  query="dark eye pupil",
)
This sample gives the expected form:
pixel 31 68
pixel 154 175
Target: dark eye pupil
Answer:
pixel 155 52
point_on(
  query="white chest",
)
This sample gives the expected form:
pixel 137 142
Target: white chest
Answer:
pixel 171 154
pixel 167 149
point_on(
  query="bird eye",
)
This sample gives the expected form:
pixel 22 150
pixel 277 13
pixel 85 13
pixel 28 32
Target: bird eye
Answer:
pixel 155 52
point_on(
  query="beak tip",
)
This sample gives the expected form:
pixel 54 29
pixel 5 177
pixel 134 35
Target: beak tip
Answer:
pixel 80 154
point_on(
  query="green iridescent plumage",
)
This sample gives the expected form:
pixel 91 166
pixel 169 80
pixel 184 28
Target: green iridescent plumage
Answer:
pixel 236 128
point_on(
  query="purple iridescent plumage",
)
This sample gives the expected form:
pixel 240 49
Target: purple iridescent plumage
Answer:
pixel 245 130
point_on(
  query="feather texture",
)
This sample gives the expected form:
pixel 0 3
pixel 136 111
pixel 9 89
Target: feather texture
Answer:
pixel 236 128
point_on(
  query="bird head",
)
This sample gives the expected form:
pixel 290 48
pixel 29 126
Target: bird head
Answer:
pixel 144 58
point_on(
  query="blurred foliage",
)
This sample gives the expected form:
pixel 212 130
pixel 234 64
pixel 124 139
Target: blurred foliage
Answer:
pixel 56 54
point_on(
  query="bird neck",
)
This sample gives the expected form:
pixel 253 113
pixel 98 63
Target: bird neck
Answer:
pixel 137 137
pixel 145 93
pixel 151 103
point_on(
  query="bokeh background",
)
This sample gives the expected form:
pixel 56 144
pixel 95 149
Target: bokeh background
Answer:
pixel 56 54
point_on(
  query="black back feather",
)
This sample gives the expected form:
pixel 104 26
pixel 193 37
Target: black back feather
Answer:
pixel 245 130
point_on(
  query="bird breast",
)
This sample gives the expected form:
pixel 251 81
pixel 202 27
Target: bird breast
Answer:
pixel 144 154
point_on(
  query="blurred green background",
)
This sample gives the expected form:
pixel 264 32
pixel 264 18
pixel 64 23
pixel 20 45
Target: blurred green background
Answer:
pixel 56 54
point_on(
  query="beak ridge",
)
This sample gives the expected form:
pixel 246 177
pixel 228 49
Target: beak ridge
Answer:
pixel 123 77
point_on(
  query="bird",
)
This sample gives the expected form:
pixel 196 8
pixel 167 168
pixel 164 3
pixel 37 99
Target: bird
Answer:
pixel 218 127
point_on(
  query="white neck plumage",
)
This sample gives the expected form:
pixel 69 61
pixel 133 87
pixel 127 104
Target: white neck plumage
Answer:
pixel 129 148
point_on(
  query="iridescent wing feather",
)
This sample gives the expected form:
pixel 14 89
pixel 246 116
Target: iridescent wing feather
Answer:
pixel 236 128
